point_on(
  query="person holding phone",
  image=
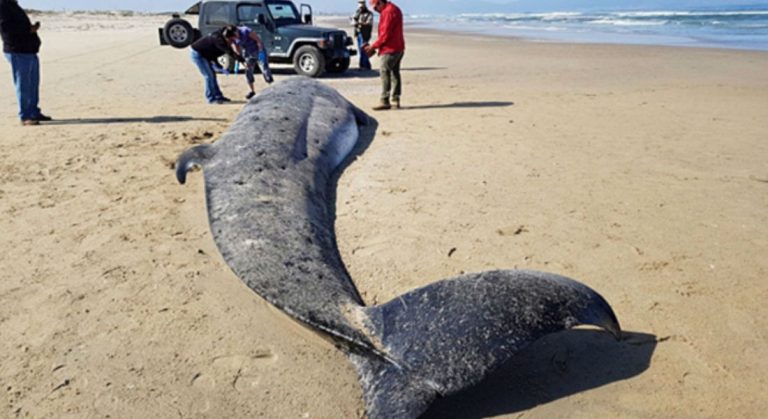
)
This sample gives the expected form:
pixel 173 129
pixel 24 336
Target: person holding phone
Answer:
pixel 363 22
pixel 21 44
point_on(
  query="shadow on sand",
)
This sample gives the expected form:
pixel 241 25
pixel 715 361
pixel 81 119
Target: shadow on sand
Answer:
pixel 551 368
pixel 352 73
pixel 367 134
pixel 356 73
pixel 149 120
pixel 422 68
pixel 461 105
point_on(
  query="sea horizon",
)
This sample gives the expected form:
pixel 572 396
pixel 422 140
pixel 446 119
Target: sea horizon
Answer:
pixel 742 27
pixel 725 27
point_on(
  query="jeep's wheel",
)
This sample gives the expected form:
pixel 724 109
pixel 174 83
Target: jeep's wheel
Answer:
pixel 308 61
pixel 178 33
pixel 338 66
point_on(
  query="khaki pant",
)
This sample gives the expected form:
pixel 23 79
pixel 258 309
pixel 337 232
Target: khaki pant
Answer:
pixel 390 76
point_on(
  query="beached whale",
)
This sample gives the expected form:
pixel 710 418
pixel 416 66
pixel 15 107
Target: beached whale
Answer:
pixel 269 191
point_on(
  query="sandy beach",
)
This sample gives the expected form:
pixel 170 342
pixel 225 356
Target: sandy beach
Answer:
pixel 638 170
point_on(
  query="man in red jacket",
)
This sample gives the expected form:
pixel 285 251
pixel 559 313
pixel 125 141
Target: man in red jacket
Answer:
pixel 391 46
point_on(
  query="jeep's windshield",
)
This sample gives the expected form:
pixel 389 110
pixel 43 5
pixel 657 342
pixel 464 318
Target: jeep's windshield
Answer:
pixel 283 13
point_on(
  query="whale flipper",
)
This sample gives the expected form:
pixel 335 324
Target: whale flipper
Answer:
pixel 449 335
pixel 195 156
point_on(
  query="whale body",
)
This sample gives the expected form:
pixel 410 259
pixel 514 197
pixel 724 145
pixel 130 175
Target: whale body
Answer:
pixel 269 192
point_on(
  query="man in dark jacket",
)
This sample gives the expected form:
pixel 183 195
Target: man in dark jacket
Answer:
pixel 204 53
pixel 20 46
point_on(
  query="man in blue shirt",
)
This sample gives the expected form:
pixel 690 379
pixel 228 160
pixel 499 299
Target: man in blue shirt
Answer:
pixel 252 49
pixel 20 46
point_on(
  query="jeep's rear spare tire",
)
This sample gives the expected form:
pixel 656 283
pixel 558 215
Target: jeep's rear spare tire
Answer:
pixel 178 33
pixel 308 61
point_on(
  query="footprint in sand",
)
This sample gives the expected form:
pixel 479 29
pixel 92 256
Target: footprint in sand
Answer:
pixel 238 371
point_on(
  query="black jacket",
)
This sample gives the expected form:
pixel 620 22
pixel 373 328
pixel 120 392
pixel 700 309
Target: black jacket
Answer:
pixel 16 29
pixel 214 46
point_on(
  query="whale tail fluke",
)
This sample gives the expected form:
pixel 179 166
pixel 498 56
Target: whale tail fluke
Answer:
pixel 195 156
pixel 449 335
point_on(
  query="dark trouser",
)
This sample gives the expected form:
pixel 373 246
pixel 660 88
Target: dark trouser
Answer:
pixel 251 63
pixel 390 76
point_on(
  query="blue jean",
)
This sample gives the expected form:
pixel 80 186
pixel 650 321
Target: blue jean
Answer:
pixel 365 63
pixel 26 78
pixel 212 91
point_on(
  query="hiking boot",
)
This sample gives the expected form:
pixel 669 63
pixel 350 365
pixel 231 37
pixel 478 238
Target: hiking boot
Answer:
pixel 43 118
pixel 383 106
pixel 29 122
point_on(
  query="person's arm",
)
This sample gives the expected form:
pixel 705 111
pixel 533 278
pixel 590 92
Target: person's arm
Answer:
pixel 385 28
pixel 236 55
pixel 227 48
pixel 257 39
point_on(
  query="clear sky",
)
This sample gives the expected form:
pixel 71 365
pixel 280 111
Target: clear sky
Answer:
pixel 408 6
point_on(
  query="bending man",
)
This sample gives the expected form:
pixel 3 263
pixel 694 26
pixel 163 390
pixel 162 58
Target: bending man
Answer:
pixel 204 53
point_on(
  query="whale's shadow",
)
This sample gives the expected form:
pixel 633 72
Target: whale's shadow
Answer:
pixel 367 132
pixel 551 368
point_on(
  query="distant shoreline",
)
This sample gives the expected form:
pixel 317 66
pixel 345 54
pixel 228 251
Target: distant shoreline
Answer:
pixel 476 29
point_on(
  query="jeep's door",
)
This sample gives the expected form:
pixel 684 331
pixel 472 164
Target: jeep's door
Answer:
pixel 248 15
pixel 284 15
pixel 214 15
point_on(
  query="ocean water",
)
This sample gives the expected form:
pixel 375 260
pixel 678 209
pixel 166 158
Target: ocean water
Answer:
pixel 721 28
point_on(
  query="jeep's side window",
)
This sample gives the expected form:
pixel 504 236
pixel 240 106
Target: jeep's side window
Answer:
pixel 284 13
pixel 247 13
pixel 217 14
